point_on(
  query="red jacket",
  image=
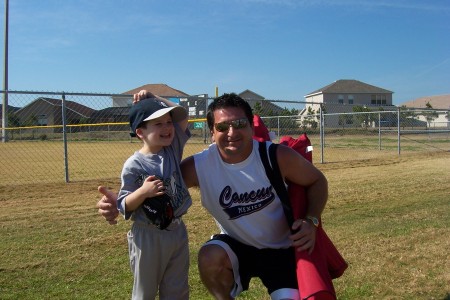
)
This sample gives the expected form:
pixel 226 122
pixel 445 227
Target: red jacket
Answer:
pixel 316 271
pixel 260 129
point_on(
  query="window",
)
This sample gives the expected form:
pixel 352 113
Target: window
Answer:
pixel 350 99
pixel 378 99
pixel 42 120
pixel 341 99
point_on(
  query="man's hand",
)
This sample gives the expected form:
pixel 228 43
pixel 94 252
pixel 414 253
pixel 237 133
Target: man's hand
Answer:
pixel 305 237
pixel 107 206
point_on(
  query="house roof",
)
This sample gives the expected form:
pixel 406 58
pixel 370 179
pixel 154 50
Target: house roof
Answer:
pixel 73 106
pixel 347 86
pixel 159 89
pixel 112 111
pixel 437 102
pixel 8 109
pixel 247 91
pixel 256 97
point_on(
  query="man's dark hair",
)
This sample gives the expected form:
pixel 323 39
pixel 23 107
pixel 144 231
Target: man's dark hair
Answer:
pixel 228 100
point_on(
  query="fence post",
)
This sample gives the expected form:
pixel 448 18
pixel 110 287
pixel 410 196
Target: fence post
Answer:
pixel 398 131
pixel 5 78
pixel 379 131
pixel 321 133
pixel 64 129
pixel 278 134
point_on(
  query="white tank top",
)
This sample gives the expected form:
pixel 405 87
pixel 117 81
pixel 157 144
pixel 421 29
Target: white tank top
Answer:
pixel 241 199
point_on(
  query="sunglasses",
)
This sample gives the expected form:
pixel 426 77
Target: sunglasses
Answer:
pixel 236 124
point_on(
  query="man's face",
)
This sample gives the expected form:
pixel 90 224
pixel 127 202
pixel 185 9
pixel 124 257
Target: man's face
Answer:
pixel 232 133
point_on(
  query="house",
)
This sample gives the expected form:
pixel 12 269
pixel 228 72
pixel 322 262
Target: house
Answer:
pixel 439 103
pixel 9 110
pixel 352 92
pixel 266 107
pixel 47 111
pixel 159 89
pixel 195 104
pixel 110 115
pixel 342 96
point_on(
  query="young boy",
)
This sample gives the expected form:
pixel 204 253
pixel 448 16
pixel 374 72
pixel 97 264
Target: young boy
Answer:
pixel 159 258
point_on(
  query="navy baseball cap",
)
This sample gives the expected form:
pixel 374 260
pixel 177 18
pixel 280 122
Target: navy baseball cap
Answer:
pixel 152 108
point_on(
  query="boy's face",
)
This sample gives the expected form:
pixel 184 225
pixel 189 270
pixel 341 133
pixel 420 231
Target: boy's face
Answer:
pixel 157 133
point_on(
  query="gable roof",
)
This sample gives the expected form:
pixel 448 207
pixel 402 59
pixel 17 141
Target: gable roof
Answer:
pixel 253 97
pixel 437 102
pixel 347 86
pixel 159 89
pixel 112 111
pixel 9 108
pixel 249 92
pixel 73 106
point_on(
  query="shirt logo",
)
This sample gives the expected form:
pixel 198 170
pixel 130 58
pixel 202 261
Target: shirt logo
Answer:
pixel 236 205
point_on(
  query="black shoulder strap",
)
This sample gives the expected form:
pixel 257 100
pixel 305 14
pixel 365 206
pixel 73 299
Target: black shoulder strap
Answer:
pixel 274 175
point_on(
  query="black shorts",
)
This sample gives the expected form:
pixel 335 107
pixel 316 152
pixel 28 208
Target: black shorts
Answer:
pixel 275 267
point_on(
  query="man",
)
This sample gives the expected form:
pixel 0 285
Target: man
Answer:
pixel 255 240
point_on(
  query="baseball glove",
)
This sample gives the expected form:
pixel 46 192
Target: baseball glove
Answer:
pixel 159 210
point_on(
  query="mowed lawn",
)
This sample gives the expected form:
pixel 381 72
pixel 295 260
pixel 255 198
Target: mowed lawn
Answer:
pixel 390 218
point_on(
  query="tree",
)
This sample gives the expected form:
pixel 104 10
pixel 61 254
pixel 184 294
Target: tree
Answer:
pixel 407 116
pixel 430 114
pixel 257 109
pixel 363 116
pixel 286 122
pixel 345 120
pixel 309 119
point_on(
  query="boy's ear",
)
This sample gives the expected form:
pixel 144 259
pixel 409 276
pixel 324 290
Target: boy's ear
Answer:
pixel 139 132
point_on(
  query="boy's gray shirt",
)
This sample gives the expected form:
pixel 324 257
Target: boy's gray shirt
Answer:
pixel 165 165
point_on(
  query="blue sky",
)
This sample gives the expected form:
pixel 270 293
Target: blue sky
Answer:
pixel 281 49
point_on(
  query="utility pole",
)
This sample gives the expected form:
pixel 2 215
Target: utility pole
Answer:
pixel 5 79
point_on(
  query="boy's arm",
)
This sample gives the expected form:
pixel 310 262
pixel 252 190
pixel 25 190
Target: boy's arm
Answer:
pixel 150 188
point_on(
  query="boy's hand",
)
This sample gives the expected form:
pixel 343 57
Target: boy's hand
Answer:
pixel 152 186
pixel 143 94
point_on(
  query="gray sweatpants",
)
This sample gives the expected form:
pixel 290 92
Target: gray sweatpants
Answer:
pixel 159 261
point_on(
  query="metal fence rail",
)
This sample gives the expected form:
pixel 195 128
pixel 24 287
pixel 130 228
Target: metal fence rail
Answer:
pixel 58 136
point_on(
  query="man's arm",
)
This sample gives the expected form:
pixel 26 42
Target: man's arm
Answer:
pixel 296 169
pixel 188 171
pixel 107 205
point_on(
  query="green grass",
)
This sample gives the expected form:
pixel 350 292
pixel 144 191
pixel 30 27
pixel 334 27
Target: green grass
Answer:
pixel 390 219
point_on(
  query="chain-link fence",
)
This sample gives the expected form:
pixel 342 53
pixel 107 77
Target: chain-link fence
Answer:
pixel 50 136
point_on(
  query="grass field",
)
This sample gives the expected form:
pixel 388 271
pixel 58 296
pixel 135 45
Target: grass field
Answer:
pixel 46 161
pixel 390 218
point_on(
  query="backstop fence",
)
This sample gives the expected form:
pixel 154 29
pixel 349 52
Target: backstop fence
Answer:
pixel 58 136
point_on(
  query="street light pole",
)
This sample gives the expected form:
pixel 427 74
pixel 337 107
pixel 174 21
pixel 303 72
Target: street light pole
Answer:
pixel 5 78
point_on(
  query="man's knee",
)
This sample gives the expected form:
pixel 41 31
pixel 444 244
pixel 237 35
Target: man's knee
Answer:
pixel 213 257
pixel 216 271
